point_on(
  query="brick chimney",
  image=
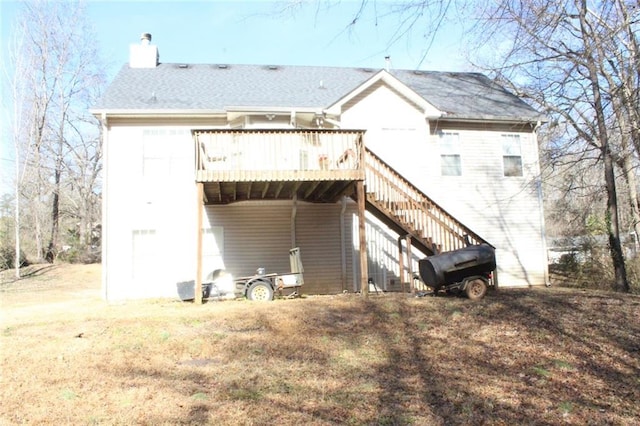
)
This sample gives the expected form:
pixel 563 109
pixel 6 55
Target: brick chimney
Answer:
pixel 143 55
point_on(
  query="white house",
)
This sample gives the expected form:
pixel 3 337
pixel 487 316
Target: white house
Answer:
pixel 222 166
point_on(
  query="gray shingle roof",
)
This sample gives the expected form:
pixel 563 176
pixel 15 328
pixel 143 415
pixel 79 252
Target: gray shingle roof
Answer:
pixel 218 88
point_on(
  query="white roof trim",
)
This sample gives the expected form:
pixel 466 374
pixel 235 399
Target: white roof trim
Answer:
pixel 204 112
pixel 275 110
pixel 157 112
pixel 428 109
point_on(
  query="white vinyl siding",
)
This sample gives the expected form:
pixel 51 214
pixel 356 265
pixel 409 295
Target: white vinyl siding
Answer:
pixel 318 233
pixel 148 223
pixel 256 235
pixel 259 234
pixel 396 130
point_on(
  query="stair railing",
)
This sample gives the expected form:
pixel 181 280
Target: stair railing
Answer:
pixel 414 211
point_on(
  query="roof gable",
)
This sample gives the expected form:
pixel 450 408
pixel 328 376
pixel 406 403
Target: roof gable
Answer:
pixel 385 77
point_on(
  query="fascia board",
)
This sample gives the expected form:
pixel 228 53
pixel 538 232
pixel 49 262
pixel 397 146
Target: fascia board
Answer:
pixel 268 109
pixel 135 113
pixel 200 112
pixel 492 119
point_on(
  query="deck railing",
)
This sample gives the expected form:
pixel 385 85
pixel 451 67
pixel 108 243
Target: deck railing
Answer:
pixel 397 198
pixel 238 155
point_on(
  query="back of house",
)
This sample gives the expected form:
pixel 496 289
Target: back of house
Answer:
pixel 224 166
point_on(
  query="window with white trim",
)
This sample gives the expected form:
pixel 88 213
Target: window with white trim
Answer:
pixel 163 153
pixel 212 250
pixel 511 155
pixel 450 159
pixel 144 253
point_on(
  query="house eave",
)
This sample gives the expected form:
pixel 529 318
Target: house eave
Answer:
pixel 491 118
pixel 166 113
pixel 271 109
pixel 201 113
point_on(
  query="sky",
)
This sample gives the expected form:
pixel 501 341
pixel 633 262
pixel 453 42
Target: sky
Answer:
pixel 285 32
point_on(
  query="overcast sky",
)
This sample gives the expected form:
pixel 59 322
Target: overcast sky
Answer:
pixel 254 32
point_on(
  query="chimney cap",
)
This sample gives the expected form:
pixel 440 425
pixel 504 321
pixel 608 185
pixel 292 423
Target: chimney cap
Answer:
pixel 145 37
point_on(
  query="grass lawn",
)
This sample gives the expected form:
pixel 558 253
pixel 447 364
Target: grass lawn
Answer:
pixel 535 356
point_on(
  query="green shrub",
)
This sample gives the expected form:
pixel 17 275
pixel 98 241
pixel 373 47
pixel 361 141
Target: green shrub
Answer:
pixel 80 254
pixel 8 255
pixel 633 274
pixel 596 272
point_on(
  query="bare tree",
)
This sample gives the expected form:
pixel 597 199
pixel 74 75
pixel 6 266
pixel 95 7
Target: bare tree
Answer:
pixel 426 18
pixel 19 118
pixel 575 60
pixel 59 75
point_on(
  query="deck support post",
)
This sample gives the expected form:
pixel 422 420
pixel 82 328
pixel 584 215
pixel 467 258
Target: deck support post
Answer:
pixel 294 214
pixel 360 194
pixel 412 287
pixel 199 208
pixel 401 265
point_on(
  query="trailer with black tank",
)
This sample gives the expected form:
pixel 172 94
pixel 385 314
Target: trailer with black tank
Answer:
pixel 468 270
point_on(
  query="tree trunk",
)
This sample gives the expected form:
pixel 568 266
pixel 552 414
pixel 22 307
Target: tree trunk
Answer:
pixel 613 226
pixel 17 218
pixel 38 234
pixel 51 254
pixel 630 177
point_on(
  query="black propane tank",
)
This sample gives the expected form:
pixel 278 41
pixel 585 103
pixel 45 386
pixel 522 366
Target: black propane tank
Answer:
pixel 454 266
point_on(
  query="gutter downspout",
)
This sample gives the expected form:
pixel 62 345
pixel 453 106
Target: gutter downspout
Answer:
pixel 343 252
pixel 543 232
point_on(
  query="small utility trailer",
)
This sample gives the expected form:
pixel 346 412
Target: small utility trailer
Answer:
pixel 468 270
pixel 263 286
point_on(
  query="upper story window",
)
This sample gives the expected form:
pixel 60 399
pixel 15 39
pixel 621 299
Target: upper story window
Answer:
pixel 450 161
pixel 165 152
pixel 511 155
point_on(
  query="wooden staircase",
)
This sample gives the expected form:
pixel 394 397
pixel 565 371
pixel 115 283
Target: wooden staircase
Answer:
pixel 410 212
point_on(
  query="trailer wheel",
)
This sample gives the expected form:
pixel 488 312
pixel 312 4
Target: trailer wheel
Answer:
pixel 260 291
pixel 476 289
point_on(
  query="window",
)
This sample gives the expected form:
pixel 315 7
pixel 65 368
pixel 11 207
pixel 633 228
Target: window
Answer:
pixel 144 253
pixel 511 155
pixel 164 153
pixel 304 159
pixel 450 162
pixel 212 250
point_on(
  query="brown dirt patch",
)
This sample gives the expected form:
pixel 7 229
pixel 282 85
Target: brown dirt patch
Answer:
pixel 541 356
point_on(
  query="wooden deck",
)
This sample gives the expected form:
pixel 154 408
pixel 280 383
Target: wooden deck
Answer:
pixel 315 165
